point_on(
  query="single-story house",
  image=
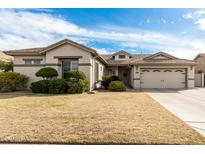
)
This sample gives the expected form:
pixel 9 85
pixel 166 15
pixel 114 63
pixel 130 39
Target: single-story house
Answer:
pixel 200 70
pixel 200 63
pixel 159 70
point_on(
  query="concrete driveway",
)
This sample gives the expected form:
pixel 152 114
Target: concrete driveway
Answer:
pixel 189 105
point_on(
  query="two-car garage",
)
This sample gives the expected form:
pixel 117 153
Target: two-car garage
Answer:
pixel 163 78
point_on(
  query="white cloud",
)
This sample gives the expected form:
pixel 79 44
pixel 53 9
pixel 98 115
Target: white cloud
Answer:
pixel 164 21
pixel 188 16
pixel 102 50
pixel 198 17
pixel 148 21
pixel 24 29
pixel 201 23
pixel 172 22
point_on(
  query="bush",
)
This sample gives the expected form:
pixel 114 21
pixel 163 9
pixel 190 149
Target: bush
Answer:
pixel 77 86
pixel 47 72
pixel 6 66
pixel 107 79
pixel 40 86
pixel 76 75
pixel 58 86
pixel 117 86
pixel 12 81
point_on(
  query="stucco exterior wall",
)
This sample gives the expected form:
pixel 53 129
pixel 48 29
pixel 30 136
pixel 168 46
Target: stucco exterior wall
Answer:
pixel 190 74
pixel 29 71
pixel 100 68
pixel 200 64
pixel 68 50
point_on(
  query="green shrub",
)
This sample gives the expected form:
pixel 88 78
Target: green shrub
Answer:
pixel 40 86
pixel 12 80
pixel 117 86
pixel 76 75
pixel 6 66
pixel 77 86
pixel 107 79
pixel 58 86
pixel 47 72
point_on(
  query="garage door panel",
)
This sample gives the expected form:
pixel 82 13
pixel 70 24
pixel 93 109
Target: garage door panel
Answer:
pixel 162 78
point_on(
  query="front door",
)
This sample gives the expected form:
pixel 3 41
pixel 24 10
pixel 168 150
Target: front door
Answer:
pixel 124 75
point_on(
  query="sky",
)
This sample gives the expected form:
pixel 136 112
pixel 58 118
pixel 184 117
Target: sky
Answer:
pixel 180 32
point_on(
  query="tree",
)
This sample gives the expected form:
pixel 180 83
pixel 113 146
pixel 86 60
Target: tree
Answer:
pixel 47 72
pixel 6 66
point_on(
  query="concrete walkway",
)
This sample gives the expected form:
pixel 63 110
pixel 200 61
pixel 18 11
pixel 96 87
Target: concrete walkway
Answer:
pixel 189 105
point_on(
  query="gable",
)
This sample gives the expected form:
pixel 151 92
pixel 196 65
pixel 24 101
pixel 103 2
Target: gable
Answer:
pixel 69 42
pixel 160 56
pixel 67 50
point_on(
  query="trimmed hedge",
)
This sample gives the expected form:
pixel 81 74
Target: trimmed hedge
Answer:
pixel 76 83
pixel 78 86
pixel 76 75
pixel 47 72
pixel 117 86
pixel 40 86
pixel 58 86
pixel 108 79
pixel 12 80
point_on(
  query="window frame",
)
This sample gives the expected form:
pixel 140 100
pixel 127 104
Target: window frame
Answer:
pixel 32 61
pixel 121 56
pixel 71 68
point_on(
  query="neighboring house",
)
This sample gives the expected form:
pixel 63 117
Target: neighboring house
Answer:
pixel 5 57
pixel 200 70
pixel 159 70
pixel 200 63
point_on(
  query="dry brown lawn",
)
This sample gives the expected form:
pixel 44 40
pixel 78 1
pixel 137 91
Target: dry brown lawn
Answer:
pixel 102 118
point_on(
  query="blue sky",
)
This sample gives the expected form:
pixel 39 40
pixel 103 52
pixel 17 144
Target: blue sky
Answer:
pixel 180 32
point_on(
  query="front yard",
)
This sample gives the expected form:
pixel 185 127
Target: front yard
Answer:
pixel 102 118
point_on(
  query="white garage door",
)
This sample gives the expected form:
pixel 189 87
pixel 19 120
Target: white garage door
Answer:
pixel 163 78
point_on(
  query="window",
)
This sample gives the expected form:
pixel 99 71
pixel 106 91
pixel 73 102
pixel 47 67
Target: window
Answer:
pixel 110 72
pixel 68 65
pixel 32 61
pixel 74 65
pixel 121 56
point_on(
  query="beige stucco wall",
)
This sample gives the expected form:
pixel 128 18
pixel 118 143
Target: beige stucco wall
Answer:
pixel 200 64
pixel 30 72
pixel 68 50
pixel 136 74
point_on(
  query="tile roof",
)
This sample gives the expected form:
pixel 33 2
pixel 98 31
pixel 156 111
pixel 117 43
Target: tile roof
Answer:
pixel 139 59
pixel 29 51
pixel 135 58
